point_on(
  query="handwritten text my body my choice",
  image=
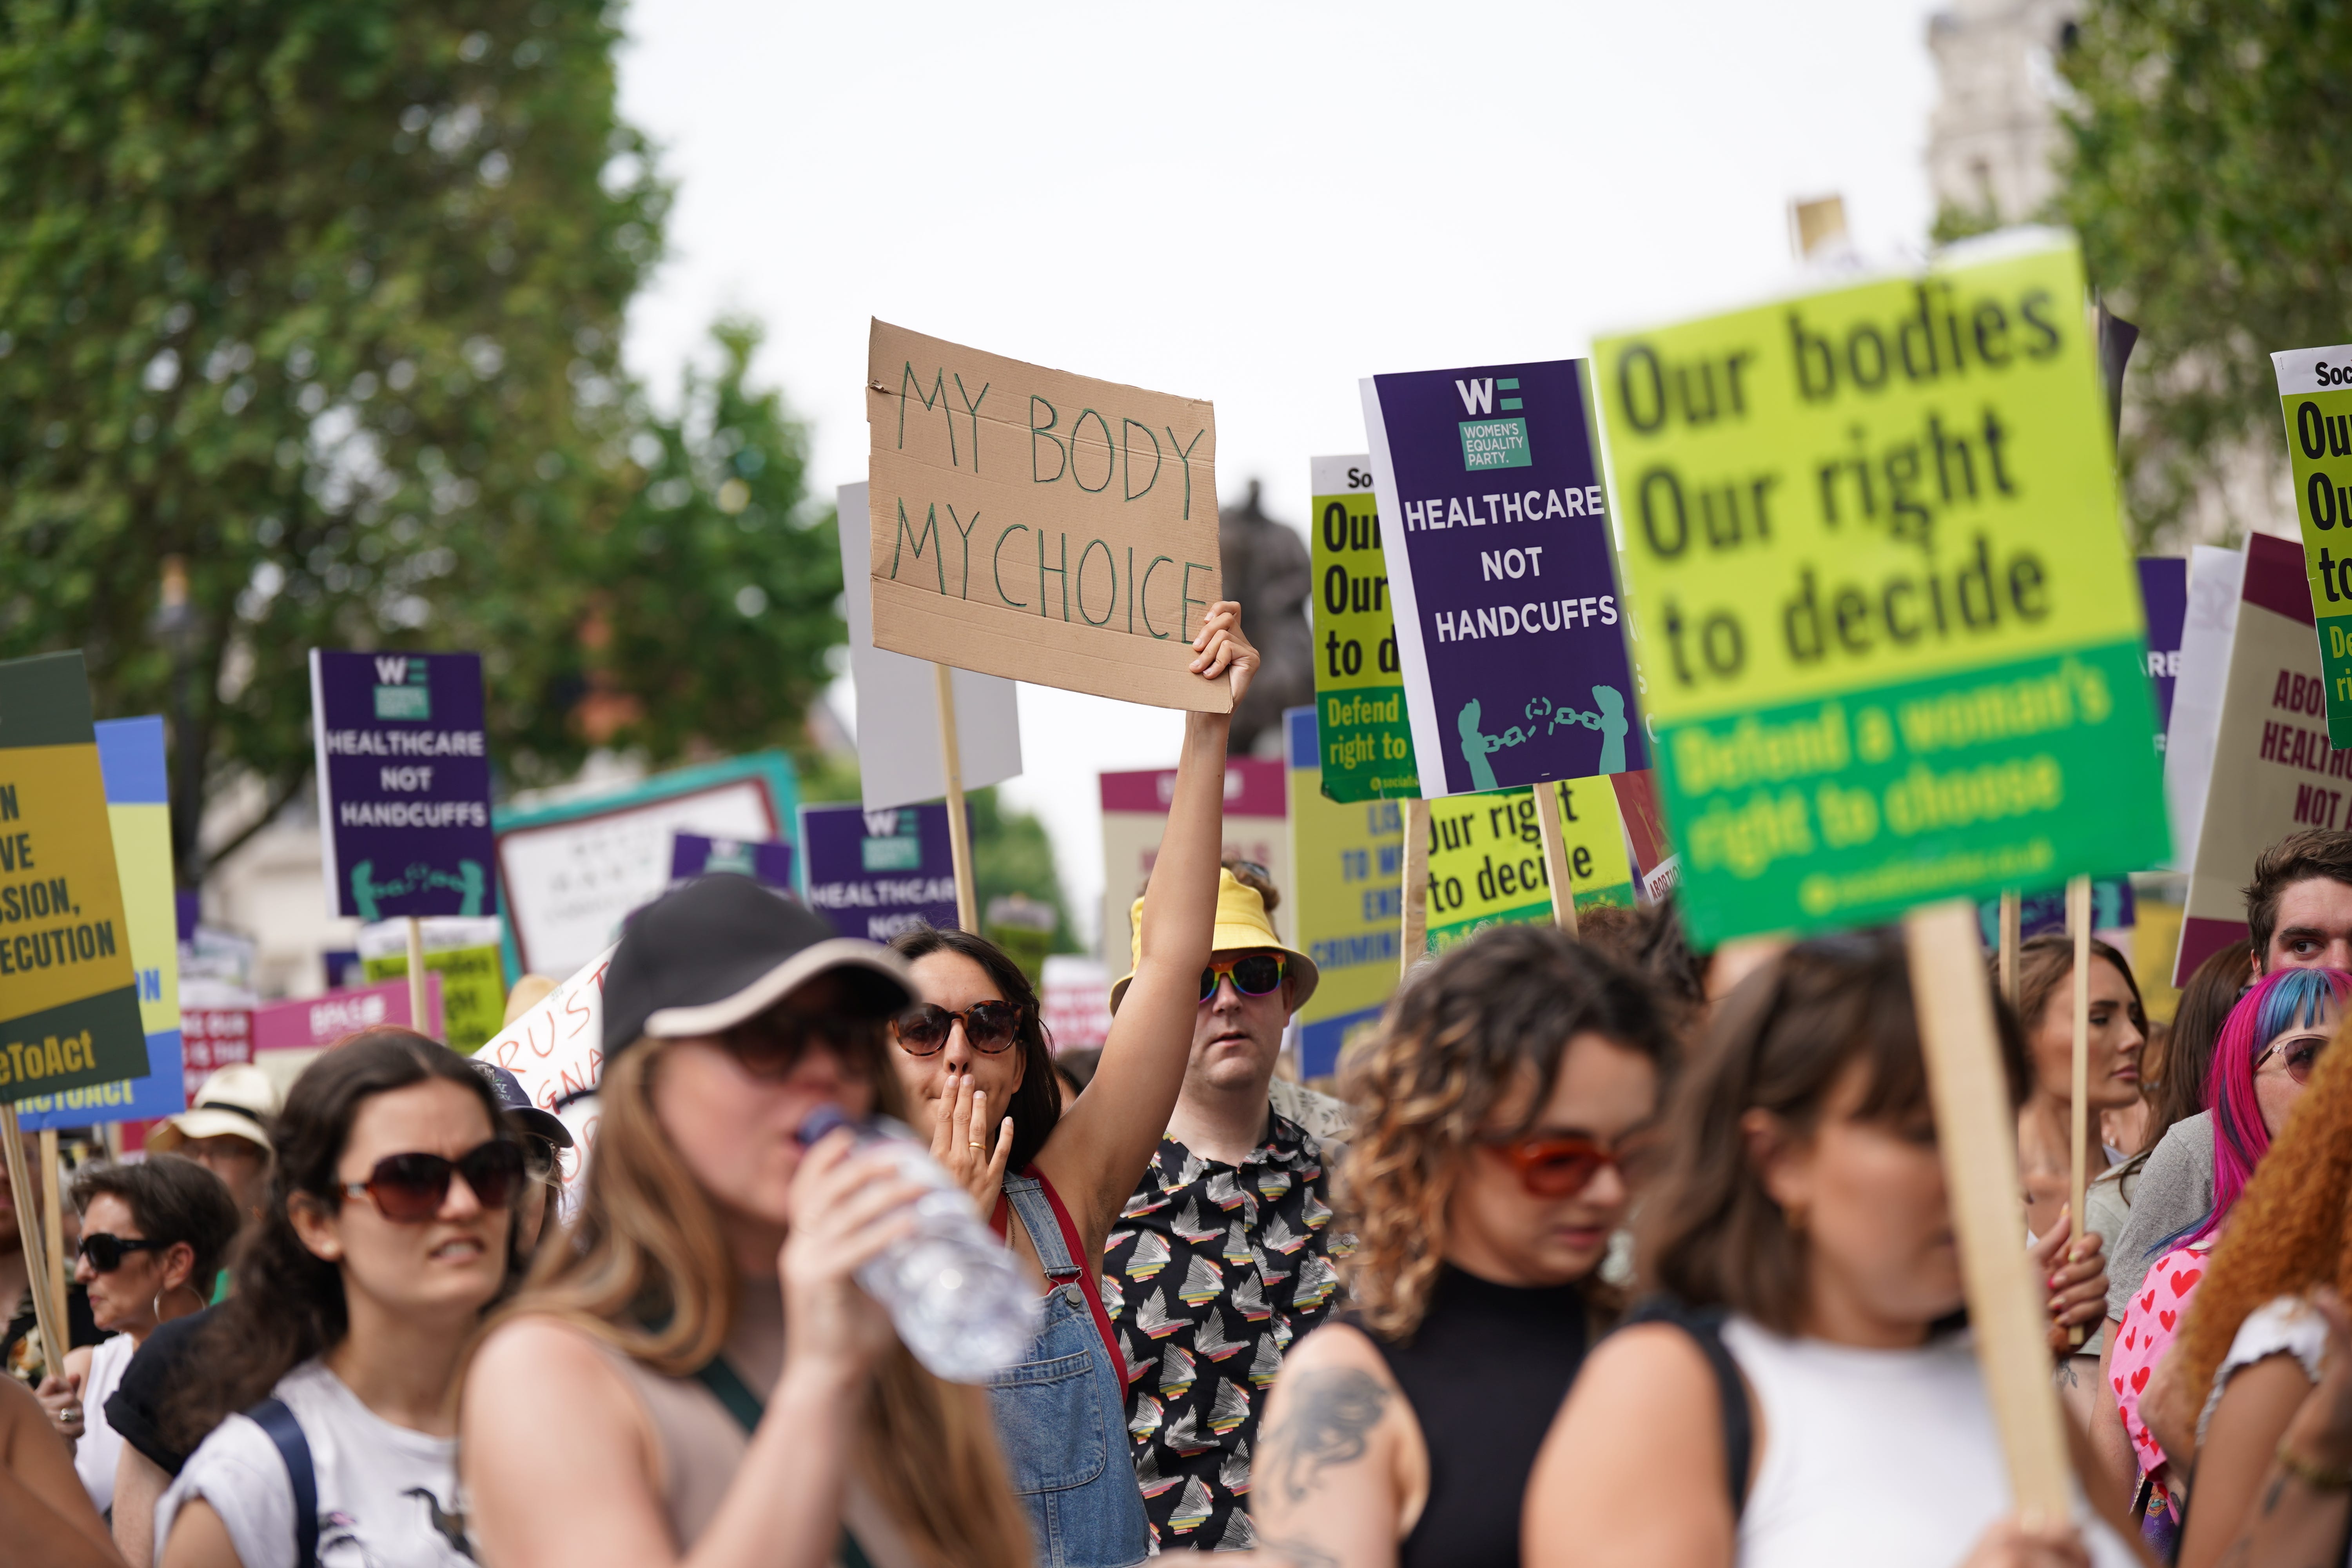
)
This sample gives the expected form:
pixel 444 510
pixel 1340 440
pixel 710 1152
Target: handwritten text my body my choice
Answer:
pixel 1057 452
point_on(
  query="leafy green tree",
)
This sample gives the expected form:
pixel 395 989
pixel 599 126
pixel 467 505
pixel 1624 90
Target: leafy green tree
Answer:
pixel 2211 148
pixel 309 314
pixel 1012 854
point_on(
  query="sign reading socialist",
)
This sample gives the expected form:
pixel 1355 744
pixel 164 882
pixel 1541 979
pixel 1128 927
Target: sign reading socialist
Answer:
pixel 1039 525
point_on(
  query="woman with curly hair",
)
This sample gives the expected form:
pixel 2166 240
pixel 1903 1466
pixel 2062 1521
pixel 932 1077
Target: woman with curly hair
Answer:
pixel 1511 1086
pixel 2255 1346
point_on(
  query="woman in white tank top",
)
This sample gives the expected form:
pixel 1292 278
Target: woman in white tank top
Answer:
pixel 1801 1226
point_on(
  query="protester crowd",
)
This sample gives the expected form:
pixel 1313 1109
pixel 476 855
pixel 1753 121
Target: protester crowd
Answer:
pixel 1615 1254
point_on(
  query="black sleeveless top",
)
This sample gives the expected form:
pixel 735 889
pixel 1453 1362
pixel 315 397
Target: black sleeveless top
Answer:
pixel 1484 1374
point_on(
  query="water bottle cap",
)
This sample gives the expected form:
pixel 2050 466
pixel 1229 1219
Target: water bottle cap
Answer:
pixel 820 1121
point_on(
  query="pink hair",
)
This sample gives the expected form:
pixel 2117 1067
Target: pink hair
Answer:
pixel 2280 1001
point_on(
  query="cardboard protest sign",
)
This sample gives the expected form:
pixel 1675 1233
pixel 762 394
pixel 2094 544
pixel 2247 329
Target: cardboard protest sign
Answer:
pixel 2315 395
pixel 1499 558
pixel 139 813
pixel 2164 591
pixel 768 864
pixel 464 955
pixel 556 1051
pixel 876 873
pixel 573 869
pixel 1366 739
pixel 1039 525
pixel 1486 863
pixel 1347 896
pixel 2273 770
pixel 1135 818
pixel 69 1013
pixel 403 783
pixel 900 755
pixel 1893 646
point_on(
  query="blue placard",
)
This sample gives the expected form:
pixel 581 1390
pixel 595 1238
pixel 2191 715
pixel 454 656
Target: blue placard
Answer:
pixel 2113 908
pixel 692 854
pixel 403 783
pixel 876 873
pixel 1509 623
pixel 2164 589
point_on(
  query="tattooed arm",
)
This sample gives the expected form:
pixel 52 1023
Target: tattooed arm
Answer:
pixel 2301 1510
pixel 2236 1455
pixel 1341 1473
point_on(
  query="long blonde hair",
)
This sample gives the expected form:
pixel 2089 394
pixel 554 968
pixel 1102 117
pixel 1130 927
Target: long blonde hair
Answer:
pixel 647 1249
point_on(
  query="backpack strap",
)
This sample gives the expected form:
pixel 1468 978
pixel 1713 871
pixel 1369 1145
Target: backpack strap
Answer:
pixel 1705 1326
pixel 278 1424
pixel 726 1384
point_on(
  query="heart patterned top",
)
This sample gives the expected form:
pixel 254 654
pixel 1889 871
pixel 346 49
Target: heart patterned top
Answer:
pixel 2150 1321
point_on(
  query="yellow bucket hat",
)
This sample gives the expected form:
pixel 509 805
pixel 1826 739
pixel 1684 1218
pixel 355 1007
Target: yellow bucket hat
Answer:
pixel 1242 925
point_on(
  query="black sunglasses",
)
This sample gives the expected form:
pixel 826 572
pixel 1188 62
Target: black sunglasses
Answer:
pixel 1255 975
pixel 409 1189
pixel 768 1047
pixel 991 1026
pixel 106 1251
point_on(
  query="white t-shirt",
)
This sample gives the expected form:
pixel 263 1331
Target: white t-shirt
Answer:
pixel 387 1495
pixel 101 1446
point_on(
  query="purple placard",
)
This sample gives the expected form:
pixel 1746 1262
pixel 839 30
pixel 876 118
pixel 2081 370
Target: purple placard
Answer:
pixel 403 783
pixel 2163 590
pixel 1508 618
pixel 876 873
pixel 768 864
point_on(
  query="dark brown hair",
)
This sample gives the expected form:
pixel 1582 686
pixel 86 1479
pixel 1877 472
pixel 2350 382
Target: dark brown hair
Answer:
pixel 2297 857
pixel 1037 1105
pixel 1472 1028
pixel 2178 1091
pixel 170 1199
pixel 289 1304
pixel 1708 1232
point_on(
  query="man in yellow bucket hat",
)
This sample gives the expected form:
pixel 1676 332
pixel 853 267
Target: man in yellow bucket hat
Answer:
pixel 1225 1253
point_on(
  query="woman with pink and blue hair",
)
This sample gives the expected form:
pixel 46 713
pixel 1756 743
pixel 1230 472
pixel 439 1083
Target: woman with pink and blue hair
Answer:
pixel 2260 1063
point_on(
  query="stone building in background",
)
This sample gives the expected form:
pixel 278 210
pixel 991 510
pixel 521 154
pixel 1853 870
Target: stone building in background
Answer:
pixel 1268 573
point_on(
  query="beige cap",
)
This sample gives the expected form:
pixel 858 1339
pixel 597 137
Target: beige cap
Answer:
pixel 235 1102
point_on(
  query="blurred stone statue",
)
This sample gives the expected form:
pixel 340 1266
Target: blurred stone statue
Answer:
pixel 1267 571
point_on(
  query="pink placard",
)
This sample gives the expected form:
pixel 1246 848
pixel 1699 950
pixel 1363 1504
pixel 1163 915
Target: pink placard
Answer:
pixel 315 1021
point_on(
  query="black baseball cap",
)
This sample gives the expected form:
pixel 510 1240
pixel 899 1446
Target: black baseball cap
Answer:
pixel 720 950
pixel 516 1102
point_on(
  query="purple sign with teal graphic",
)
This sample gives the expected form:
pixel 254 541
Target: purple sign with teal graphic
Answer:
pixel 1509 624
pixel 403 783
pixel 768 864
pixel 876 873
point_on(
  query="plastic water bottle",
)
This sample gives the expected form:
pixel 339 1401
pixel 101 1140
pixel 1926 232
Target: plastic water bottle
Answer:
pixel 955 1292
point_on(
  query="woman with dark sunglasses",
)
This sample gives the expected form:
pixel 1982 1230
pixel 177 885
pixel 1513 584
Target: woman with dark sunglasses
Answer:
pixel 1805 1401
pixel 972 1050
pixel 1512 1084
pixel 153 1235
pixel 331 1375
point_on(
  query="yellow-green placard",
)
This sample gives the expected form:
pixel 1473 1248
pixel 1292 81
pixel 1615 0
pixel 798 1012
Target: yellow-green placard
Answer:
pixel 1486 862
pixel 1891 640
pixel 69 998
pixel 1366 739
pixel 1346 898
pixel 2315 395
pixel 473 990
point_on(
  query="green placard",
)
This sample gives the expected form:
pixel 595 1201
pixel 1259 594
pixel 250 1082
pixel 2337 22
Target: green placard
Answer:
pixel 69 998
pixel 1366 739
pixel 2315 395
pixel 473 990
pixel 1891 640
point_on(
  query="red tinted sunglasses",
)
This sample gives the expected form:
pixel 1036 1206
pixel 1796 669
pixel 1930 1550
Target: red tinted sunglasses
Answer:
pixel 991 1026
pixel 1562 1166
pixel 409 1189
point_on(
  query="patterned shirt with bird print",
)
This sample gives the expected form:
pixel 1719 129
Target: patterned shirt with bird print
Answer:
pixel 1210 1273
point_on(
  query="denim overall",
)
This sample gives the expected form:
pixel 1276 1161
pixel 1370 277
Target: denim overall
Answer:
pixel 1061 1417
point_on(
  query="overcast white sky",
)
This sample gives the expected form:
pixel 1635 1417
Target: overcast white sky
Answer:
pixel 1256 204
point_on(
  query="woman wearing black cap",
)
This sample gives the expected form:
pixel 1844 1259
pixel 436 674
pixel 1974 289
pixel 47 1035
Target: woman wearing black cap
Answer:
pixel 654 1341
pixel 975 1044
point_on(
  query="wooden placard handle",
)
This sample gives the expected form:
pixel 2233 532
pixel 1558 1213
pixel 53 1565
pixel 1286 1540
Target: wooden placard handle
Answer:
pixel 2078 920
pixel 416 977
pixel 959 829
pixel 1416 886
pixel 1555 853
pixel 2010 920
pixel 1977 1131
pixel 28 1232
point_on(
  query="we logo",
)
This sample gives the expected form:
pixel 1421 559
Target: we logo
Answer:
pixel 1478 396
pixel 402 690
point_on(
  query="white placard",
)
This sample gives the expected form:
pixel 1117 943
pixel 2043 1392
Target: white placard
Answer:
pixel 558 1048
pixel 898 757
pixel 2216 577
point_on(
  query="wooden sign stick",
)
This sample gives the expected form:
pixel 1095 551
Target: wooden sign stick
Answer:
pixel 1977 1131
pixel 416 975
pixel 1555 853
pixel 2010 920
pixel 53 1218
pixel 959 829
pixel 28 1232
pixel 2078 921
pixel 1416 885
